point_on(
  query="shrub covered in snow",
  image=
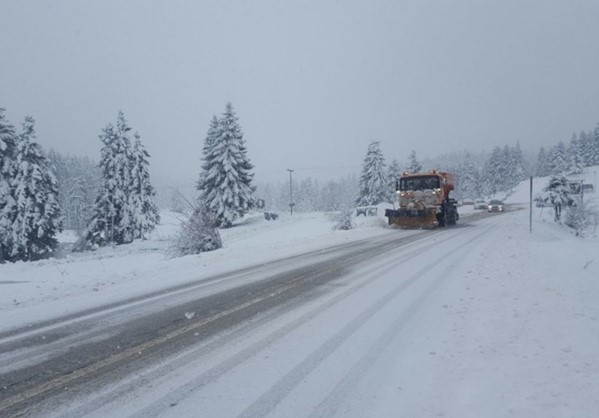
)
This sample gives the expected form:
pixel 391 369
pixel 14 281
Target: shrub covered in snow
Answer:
pixel 556 194
pixel 344 221
pixel 582 217
pixel 198 234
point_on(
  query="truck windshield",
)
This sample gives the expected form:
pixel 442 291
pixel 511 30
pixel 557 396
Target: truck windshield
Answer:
pixel 419 183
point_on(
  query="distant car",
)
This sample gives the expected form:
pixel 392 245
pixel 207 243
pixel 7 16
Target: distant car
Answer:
pixel 480 204
pixel 496 206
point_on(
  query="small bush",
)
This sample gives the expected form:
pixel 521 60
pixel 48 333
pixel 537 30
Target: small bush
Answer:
pixel 344 221
pixel 581 217
pixel 198 233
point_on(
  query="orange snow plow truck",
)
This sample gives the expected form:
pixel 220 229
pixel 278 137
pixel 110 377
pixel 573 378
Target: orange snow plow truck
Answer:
pixel 424 201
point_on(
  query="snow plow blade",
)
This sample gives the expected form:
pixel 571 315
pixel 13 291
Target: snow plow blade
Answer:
pixel 412 219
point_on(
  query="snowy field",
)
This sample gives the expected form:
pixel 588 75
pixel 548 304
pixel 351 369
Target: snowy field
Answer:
pixel 518 324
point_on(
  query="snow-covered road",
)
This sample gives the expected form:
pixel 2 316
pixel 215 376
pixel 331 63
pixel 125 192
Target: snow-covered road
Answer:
pixel 371 345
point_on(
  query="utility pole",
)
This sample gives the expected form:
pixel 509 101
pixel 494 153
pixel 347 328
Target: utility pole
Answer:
pixel 290 191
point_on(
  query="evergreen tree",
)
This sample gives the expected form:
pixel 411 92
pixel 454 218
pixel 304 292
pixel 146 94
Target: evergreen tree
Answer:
pixel 494 173
pixel 8 209
pixel 178 201
pixel 373 183
pixel 586 146
pixel 594 147
pixel 112 220
pixel 225 183
pixel 393 175
pixel 542 168
pixel 558 160
pixel 468 179
pixel 414 165
pixel 38 214
pixel 145 212
pixel 515 167
pixel 575 155
pixel 78 180
pixel 212 138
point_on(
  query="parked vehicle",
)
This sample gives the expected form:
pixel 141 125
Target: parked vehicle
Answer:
pixel 496 206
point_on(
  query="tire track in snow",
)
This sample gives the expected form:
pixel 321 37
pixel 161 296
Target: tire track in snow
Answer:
pixel 178 394
pixel 35 344
pixel 181 392
pixel 328 406
pixel 80 373
pixel 335 254
pixel 269 400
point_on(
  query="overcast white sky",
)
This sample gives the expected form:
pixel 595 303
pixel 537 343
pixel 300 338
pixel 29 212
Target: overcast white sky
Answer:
pixel 313 82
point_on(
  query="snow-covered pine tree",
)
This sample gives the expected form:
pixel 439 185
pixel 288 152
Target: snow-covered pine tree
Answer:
pixel 558 160
pixel 8 210
pixel 414 165
pixel 516 166
pixel 393 175
pixel 586 146
pixel 575 155
pixel 112 219
pixel 373 181
pixel 468 179
pixel 508 165
pixel 145 212
pixel 225 183
pixel 542 168
pixel 594 147
pixel 521 169
pixel 493 172
pixel 78 180
pixel 178 201
pixel 211 139
pixel 38 214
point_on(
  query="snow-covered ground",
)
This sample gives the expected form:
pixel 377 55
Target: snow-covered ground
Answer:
pixel 514 331
pixel 46 289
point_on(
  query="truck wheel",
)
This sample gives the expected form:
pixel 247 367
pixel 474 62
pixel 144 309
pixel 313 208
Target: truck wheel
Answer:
pixel 441 219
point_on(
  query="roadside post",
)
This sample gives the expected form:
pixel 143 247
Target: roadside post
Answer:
pixel 530 215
